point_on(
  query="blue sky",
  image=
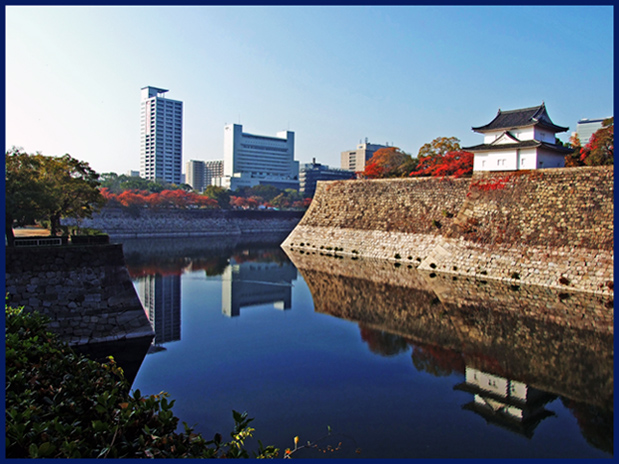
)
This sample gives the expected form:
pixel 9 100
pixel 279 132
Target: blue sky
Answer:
pixel 402 75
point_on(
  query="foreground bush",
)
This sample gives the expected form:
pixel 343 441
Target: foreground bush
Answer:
pixel 62 405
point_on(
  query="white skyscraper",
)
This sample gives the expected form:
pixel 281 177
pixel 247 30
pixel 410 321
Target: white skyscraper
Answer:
pixel 161 136
pixel 251 159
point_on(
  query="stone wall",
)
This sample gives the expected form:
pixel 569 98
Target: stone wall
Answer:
pixel 551 228
pixel 144 222
pixel 85 290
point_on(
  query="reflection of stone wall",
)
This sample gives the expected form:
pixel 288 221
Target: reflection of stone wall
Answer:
pixel 85 290
pixel 558 342
pixel 139 223
pixel 551 228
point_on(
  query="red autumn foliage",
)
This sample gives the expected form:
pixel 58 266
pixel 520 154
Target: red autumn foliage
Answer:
pixel 388 162
pixel 491 184
pixel 452 163
pixel 163 199
pixel 600 150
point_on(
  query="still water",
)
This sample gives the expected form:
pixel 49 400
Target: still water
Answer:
pixel 397 363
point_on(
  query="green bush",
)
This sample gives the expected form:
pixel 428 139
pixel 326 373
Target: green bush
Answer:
pixel 62 405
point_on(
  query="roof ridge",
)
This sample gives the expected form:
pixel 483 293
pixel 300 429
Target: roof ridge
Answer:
pixel 522 109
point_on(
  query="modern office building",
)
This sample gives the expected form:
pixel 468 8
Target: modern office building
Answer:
pixel 212 170
pixel 355 160
pixel 161 136
pixel 251 160
pixel 310 173
pixel 586 128
pixel 194 175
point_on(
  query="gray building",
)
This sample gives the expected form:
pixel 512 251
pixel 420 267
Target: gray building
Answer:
pixel 194 175
pixel 212 169
pixel 586 128
pixel 310 173
pixel 355 160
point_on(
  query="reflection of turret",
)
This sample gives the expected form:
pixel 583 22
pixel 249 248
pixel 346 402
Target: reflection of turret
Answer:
pixel 161 297
pixel 256 283
pixel 507 403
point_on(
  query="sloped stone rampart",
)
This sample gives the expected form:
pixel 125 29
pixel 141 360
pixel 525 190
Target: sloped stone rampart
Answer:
pixel 551 228
pixel 144 222
pixel 86 291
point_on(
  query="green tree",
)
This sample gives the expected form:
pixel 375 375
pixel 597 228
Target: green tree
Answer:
pixel 26 195
pixel 73 187
pixel 44 188
pixel 439 147
pixel 219 194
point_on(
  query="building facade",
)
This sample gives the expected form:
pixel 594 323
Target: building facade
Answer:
pixel 251 160
pixel 161 136
pixel 213 170
pixel 194 174
pixel 519 139
pixel 586 128
pixel 310 173
pixel 355 160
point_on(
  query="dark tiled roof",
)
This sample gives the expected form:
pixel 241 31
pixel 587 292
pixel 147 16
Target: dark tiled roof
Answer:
pixel 512 146
pixel 512 119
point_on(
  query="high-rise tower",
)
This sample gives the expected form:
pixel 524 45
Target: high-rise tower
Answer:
pixel 161 136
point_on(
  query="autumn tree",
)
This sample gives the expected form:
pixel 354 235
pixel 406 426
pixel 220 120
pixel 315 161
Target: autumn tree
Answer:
pixel 453 163
pixel 573 159
pixel 438 147
pixel 599 151
pixel 443 157
pixel 388 162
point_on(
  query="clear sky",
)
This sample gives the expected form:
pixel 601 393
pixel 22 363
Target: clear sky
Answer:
pixel 402 75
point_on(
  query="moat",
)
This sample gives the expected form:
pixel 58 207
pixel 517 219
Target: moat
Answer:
pixel 398 363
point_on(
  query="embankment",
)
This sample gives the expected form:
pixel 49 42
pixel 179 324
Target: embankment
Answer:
pixel 552 228
pixel 154 222
pixel 86 291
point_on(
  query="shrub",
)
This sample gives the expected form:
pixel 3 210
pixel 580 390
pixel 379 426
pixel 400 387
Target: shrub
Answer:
pixel 63 405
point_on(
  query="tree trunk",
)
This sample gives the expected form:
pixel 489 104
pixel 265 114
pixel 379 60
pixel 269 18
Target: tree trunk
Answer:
pixel 54 224
pixel 8 231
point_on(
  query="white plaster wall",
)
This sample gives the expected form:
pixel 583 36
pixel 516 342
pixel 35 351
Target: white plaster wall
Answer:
pixel 505 160
pixel 528 159
pixel 544 135
pixel 547 159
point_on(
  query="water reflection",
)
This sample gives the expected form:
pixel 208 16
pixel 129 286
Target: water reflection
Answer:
pixel 518 347
pixel 509 355
pixel 251 282
pixel 161 297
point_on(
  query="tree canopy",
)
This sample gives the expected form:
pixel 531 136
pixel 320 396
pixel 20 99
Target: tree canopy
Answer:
pixel 453 163
pixel 119 183
pixel 599 150
pixel 440 146
pixel 389 162
pixel 443 157
pixel 45 188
